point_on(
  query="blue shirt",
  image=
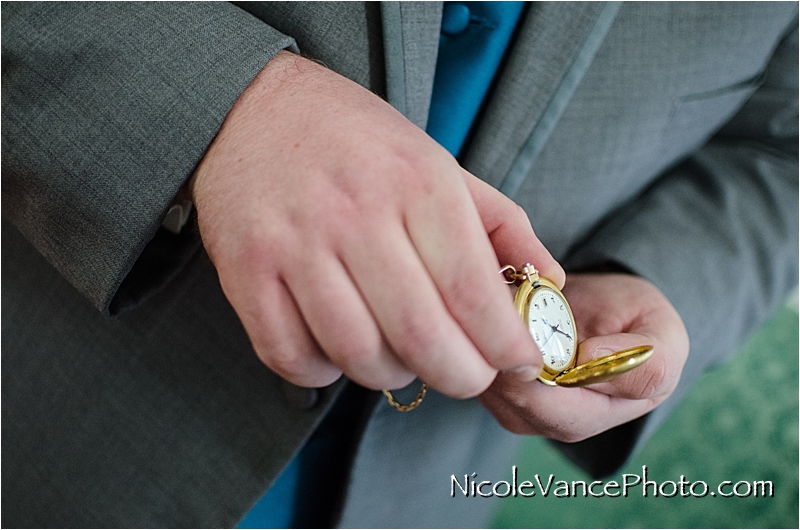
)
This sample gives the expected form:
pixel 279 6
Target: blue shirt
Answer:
pixel 473 42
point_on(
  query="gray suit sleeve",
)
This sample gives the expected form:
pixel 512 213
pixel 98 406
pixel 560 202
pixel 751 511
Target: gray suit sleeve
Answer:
pixel 107 108
pixel 718 233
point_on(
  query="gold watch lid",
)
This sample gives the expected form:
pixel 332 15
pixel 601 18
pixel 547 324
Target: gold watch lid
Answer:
pixel 604 368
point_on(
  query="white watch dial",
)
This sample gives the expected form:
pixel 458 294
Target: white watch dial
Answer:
pixel 551 326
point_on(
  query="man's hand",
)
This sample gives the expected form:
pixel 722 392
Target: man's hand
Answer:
pixel 349 242
pixel 612 312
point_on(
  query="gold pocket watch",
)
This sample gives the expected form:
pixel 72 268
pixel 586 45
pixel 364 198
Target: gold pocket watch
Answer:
pixel 546 312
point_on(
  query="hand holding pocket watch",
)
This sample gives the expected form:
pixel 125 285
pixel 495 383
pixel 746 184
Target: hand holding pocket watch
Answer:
pixel 546 312
pixel 549 318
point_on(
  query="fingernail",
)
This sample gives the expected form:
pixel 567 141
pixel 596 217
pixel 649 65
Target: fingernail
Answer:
pixel 600 352
pixel 525 374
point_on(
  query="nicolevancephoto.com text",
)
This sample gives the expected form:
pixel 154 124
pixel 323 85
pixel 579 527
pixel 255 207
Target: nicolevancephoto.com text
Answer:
pixel 628 484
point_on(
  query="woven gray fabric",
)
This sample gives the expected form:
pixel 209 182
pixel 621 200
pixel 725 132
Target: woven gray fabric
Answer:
pixel 138 94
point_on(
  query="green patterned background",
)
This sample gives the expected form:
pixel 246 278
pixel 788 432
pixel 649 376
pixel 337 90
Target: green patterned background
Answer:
pixel 731 426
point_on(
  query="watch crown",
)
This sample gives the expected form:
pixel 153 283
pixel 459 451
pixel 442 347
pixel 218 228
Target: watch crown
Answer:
pixel 528 272
pixel 531 273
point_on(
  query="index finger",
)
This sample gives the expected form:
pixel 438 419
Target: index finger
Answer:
pixel 453 243
pixel 510 231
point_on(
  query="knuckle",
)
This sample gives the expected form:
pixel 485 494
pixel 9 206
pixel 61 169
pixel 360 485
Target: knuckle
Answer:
pixel 301 370
pixel 359 351
pixel 470 389
pixel 368 362
pixel 259 251
pixel 396 381
pixel 415 170
pixel 288 363
pixel 419 338
pixel 425 345
pixel 465 301
pixel 659 376
pixel 319 379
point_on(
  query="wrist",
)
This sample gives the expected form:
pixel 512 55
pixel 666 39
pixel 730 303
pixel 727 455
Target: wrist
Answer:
pixel 260 105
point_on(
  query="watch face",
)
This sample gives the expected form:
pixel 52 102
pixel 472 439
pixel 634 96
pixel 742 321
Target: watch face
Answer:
pixel 550 323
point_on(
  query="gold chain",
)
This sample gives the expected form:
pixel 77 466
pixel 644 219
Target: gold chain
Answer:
pixel 411 406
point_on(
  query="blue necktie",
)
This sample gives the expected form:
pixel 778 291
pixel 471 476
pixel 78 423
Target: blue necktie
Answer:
pixel 474 39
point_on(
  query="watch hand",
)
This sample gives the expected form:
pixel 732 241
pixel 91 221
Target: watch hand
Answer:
pixel 555 329
pixel 548 338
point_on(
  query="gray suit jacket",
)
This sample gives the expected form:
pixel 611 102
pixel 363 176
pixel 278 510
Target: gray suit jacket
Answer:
pixel 657 137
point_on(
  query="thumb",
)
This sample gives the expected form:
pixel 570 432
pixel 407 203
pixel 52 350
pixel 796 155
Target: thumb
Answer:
pixel 510 231
pixel 646 381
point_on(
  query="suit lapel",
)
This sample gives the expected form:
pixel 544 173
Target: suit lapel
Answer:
pixel 411 41
pixel 555 47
